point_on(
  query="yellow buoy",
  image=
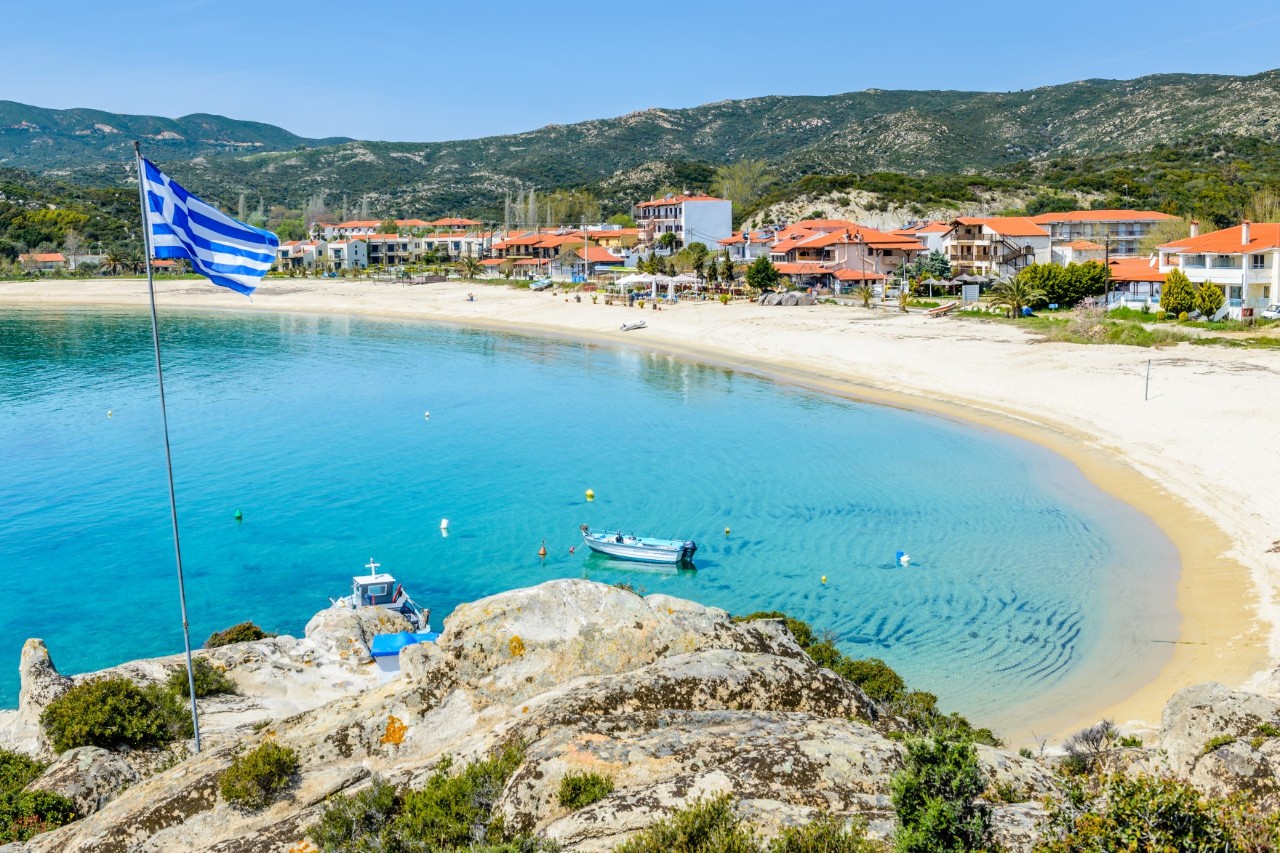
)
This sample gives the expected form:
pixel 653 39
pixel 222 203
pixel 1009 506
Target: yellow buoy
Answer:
pixel 542 552
pixel 108 413
pixel 726 531
pixel 824 578
pixel 591 495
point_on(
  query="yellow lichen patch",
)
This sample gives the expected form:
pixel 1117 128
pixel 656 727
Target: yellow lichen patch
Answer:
pixel 304 846
pixel 516 646
pixel 395 732
pixel 524 710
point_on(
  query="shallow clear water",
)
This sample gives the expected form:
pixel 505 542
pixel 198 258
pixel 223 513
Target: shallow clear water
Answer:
pixel 314 427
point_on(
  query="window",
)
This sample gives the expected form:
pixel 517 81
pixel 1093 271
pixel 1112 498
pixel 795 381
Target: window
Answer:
pixel 1259 262
pixel 379 589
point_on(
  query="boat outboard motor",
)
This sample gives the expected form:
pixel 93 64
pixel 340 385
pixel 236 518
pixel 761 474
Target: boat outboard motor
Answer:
pixel 687 551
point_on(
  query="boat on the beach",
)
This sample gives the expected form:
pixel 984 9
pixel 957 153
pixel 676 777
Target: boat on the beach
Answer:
pixel 380 589
pixel 641 549
pixel 631 327
pixel 540 284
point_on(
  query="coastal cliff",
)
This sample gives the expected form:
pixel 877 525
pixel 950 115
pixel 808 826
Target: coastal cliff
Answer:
pixel 674 701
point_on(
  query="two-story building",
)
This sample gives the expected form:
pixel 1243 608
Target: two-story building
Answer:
pixel 393 250
pixel 995 245
pixel 1118 231
pixel 1244 261
pixel 928 233
pixel 300 254
pixel 838 244
pixel 691 218
pixel 347 254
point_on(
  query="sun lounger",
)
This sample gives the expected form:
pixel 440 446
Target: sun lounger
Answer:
pixel 943 309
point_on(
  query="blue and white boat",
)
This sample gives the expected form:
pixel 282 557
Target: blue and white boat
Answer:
pixel 379 589
pixel 624 546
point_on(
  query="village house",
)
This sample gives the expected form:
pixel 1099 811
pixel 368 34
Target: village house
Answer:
pixel 299 254
pixel 995 245
pixel 347 254
pixel 928 233
pixel 43 261
pixel 1244 261
pixel 691 218
pixel 866 254
pixel 1079 252
pixel 1118 232
pixel 745 246
pixel 394 250
pixel 1135 281
pixel 560 254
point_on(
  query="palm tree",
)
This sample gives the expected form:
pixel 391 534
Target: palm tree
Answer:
pixel 1015 294
pixel 113 262
pixel 470 267
pixel 866 293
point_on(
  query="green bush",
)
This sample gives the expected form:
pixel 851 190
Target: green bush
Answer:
pixel 1183 316
pixel 1152 814
pixel 578 790
pixel 935 798
pixel 245 632
pixel 1129 742
pixel 706 826
pixel 824 835
pixel 452 812
pixel 1160 315
pixel 113 712
pixel 209 680
pixel 876 678
pixel 27 813
pixel 256 778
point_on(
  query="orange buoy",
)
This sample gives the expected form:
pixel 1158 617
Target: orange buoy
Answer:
pixel 542 552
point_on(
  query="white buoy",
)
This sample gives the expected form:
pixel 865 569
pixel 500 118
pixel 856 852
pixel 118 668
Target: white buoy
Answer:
pixel 904 557
pixel 108 413
pixel 426 416
pixel 444 524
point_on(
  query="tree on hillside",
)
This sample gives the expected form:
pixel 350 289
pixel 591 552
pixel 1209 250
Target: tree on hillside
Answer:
pixel 741 182
pixel 1178 294
pixel 1050 203
pixel 1264 206
pixel 291 229
pixel 388 226
pixel 621 219
pixel 1209 299
pixel 762 274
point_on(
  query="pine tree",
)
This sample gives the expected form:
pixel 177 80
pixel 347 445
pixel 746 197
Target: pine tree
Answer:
pixel 1209 299
pixel 1178 294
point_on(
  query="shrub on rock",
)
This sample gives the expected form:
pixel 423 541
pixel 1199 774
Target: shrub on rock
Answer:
pixel 245 632
pixel 209 680
pixel 26 813
pixel 256 778
pixel 578 790
pixel 113 712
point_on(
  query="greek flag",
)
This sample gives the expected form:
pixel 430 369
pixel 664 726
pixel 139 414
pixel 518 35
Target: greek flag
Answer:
pixel 223 250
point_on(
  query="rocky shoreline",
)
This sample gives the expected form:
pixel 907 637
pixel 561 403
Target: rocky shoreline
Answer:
pixel 673 700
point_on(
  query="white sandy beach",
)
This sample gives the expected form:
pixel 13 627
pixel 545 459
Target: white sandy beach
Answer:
pixel 1199 457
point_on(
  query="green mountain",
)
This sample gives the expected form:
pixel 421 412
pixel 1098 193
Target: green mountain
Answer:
pixel 38 139
pixel 910 132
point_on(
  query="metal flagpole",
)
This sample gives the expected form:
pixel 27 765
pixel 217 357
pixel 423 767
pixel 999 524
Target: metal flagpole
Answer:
pixel 164 421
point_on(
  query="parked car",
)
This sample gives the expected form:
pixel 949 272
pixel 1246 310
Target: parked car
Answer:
pixel 1272 312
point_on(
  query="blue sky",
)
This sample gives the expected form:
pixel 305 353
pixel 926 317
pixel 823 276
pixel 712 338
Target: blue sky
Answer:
pixel 431 71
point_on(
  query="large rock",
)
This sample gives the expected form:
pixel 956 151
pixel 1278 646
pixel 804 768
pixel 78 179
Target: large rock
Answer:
pixel 348 633
pixel 89 776
pixel 672 699
pixel 39 684
pixel 1197 714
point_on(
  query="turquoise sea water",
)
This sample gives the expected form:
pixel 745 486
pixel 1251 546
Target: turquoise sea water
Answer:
pixel 1021 578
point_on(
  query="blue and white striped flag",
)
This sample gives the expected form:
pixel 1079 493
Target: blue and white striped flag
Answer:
pixel 223 250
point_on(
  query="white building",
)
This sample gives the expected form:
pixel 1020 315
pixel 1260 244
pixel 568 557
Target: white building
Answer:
pixel 300 254
pixel 929 234
pixel 348 254
pixel 995 245
pixel 1244 261
pixel 1117 231
pixel 692 218
pixel 747 245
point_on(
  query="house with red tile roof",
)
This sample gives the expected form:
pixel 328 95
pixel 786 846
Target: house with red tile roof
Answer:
pixel 995 245
pixel 1136 280
pixel 1118 231
pixel 839 244
pixel 929 233
pixel 43 261
pixel 747 245
pixel 691 218
pixel 1243 260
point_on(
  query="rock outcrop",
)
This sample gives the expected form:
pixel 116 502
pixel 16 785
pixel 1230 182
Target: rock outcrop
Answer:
pixel 672 699
pixel 1224 741
pixel 88 776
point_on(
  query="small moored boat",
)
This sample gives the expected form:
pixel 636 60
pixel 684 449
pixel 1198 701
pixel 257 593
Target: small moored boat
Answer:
pixel 379 589
pixel 642 549
pixel 631 327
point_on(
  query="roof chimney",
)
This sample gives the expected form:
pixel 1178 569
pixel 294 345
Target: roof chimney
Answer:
pixel 1244 232
pixel 1195 228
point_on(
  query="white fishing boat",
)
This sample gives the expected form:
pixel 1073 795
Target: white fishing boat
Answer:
pixel 642 549
pixel 380 589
